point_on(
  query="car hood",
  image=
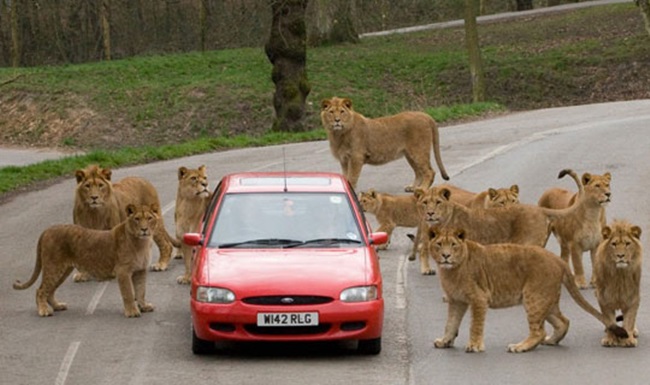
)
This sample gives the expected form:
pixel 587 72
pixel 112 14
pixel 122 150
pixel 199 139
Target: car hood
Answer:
pixel 287 271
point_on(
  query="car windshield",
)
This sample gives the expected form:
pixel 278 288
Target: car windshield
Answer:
pixel 285 220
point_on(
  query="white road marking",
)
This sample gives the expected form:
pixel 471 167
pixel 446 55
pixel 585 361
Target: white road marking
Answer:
pixel 95 300
pixel 67 362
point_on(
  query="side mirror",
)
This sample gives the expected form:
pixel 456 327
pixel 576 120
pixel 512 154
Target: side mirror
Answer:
pixel 193 239
pixel 378 238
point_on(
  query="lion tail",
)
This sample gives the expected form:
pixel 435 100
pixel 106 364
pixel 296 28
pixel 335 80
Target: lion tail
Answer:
pixel 173 240
pixel 572 174
pixel 573 290
pixel 37 270
pixel 436 150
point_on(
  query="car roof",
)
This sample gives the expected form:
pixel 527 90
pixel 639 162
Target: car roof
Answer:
pixel 293 181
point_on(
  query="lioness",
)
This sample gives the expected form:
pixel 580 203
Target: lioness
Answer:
pixel 581 231
pixel 617 273
pixel 520 223
pixel 123 252
pixel 479 277
pixel 100 204
pixel 496 197
pixel 356 140
pixel 192 198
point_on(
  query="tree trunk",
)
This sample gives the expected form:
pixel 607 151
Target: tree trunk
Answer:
pixel 334 22
pixel 203 17
pixel 15 38
pixel 286 49
pixel 523 5
pixel 474 52
pixel 105 17
pixel 644 7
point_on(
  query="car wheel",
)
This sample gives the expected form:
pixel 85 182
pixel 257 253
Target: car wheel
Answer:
pixel 200 346
pixel 369 347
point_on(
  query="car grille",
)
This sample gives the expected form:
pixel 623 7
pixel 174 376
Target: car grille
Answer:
pixel 288 300
pixel 287 330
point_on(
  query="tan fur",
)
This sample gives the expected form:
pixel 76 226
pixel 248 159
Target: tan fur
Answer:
pixel 581 231
pixel 617 273
pixel 123 252
pixel 495 197
pixel 100 204
pixel 192 199
pixel 356 140
pixel 479 277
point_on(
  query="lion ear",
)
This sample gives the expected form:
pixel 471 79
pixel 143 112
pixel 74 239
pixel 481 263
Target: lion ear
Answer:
pixel 460 234
pixel 325 104
pixel 445 193
pixel 636 232
pixel 202 168
pixel 181 172
pixel 515 189
pixel 433 231
pixel 586 177
pixel 80 175
pixel 418 192
pixel 492 193
pixel 155 208
pixel 372 193
pixel 130 209
pixel 347 103
pixel 606 232
pixel 608 176
pixel 106 173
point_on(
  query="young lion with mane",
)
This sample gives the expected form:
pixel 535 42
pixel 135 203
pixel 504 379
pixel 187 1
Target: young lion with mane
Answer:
pixel 479 277
pixel 123 252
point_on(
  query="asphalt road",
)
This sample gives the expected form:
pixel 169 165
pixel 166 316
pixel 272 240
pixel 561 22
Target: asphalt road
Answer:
pixel 92 342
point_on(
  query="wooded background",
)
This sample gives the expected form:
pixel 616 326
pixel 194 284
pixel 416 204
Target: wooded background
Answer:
pixel 51 32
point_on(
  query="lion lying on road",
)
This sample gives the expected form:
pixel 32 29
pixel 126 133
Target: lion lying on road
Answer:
pixel 192 198
pixel 356 140
pixel 100 204
pixel 581 231
pixel 479 277
pixel 123 252
pixel 617 276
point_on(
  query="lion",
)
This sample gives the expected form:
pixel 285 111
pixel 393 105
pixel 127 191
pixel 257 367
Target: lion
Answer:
pixel 356 140
pixel 496 197
pixel 582 231
pixel 479 277
pixel 123 252
pixel 100 204
pixel 617 273
pixel 192 199
pixel 520 223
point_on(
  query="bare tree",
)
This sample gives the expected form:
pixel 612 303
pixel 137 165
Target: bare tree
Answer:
pixel 644 7
pixel 474 51
pixel 15 38
pixel 286 49
pixel 105 17
pixel 523 5
pixel 333 22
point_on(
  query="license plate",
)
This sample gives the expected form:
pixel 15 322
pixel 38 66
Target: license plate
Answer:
pixel 287 319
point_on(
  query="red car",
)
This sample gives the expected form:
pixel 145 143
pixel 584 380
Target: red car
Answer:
pixel 285 256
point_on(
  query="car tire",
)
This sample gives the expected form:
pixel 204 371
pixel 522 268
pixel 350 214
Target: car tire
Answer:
pixel 369 347
pixel 201 347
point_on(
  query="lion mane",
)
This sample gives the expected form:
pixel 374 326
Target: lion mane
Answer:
pixel 356 140
pixel 122 252
pixel 479 277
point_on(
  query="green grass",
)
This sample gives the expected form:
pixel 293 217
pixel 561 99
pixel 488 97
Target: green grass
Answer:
pixel 223 99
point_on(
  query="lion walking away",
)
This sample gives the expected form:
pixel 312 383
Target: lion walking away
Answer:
pixel 356 140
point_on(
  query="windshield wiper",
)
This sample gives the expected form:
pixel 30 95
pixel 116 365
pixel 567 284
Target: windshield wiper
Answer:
pixel 262 242
pixel 326 242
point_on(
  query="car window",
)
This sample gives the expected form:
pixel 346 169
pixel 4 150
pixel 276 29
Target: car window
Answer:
pixel 290 217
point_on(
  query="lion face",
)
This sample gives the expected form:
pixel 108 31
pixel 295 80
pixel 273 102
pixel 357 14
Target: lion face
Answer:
pixel 503 197
pixel 336 113
pixel 622 244
pixel 434 205
pixel 369 201
pixel 142 221
pixel 598 187
pixel 94 186
pixel 193 183
pixel 447 247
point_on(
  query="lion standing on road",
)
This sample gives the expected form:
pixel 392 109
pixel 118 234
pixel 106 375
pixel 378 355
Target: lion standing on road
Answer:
pixel 123 252
pixel 356 140
pixel 100 204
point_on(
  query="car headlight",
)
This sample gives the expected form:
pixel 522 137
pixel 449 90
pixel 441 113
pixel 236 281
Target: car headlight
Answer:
pixel 359 294
pixel 214 295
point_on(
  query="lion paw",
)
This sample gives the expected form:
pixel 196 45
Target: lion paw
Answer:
pixel 428 271
pixel 45 312
pixel 474 348
pixel 132 312
pixel 59 306
pixel 441 343
pixel 183 279
pixel 159 267
pixel 81 277
pixel 412 257
pixel 146 308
